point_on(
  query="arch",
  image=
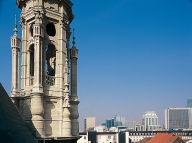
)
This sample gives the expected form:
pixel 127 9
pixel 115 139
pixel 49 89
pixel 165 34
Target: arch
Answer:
pixel 51 42
pixel 54 43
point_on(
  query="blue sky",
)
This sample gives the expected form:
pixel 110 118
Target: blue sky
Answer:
pixel 134 55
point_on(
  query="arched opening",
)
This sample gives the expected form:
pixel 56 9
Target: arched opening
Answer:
pixel 50 60
pixel 31 49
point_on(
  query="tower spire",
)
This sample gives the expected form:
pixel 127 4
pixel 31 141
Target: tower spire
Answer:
pixel 73 42
pixel 38 8
pixel 15 26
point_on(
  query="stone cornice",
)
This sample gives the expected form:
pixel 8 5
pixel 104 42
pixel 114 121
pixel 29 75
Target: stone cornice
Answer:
pixel 28 15
pixel 53 14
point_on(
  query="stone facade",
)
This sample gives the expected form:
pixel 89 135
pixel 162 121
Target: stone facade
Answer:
pixel 47 99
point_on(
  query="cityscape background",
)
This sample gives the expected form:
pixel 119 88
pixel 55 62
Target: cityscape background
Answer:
pixel 134 56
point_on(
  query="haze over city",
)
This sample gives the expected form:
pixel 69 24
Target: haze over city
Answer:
pixel 134 55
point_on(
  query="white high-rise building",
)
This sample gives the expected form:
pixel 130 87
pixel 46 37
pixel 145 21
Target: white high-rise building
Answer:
pixel 178 118
pixel 149 122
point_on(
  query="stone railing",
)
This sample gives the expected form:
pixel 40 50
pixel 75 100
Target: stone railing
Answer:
pixel 50 80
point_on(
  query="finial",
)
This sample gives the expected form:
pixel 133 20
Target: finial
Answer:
pixel 38 5
pixel 73 37
pixel 38 9
pixel 15 26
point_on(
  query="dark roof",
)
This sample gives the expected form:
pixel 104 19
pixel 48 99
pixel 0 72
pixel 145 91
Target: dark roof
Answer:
pixel 13 129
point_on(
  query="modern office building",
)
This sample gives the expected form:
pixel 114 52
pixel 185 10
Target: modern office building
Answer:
pixel 119 121
pixel 149 122
pixel 90 123
pixel 116 121
pixel 178 118
pixel 109 123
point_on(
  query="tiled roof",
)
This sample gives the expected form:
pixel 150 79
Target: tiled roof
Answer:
pixel 13 129
pixel 163 138
pixel 145 140
pixel 171 139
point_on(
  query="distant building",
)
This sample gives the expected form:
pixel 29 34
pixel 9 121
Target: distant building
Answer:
pixel 149 122
pixel 100 128
pixel 178 118
pixel 114 122
pixel 189 103
pixel 90 123
pixel 119 121
pixel 109 123
pixel 135 137
pixel 103 124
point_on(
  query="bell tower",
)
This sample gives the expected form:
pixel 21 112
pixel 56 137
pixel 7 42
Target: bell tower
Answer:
pixel 47 99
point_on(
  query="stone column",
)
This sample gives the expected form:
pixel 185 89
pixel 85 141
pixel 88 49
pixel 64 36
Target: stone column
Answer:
pixel 37 112
pixel 74 116
pixel 28 68
pixel 66 105
pixel 66 121
pixel 24 54
pixel 37 96
pixel 38 59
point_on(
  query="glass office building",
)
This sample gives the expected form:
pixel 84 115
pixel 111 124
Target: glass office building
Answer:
pixel 116 121
pixel 110 123
pixel 189 103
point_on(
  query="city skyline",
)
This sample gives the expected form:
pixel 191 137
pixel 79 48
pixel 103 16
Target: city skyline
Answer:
pixel 134 56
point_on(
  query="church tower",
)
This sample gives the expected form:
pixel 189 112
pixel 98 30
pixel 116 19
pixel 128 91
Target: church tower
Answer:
pixel 47 99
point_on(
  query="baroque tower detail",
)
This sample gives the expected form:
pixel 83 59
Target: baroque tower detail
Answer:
pixel 47 98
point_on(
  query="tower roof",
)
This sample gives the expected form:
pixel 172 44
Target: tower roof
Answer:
pixel 150 113
pixel 20 3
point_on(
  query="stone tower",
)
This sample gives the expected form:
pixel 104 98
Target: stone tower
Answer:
pixel 47 99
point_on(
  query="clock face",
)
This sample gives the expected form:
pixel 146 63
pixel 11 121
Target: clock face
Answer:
pixel 50 29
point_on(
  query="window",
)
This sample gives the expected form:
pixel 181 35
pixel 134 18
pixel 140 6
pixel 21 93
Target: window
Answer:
pixel 50 29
